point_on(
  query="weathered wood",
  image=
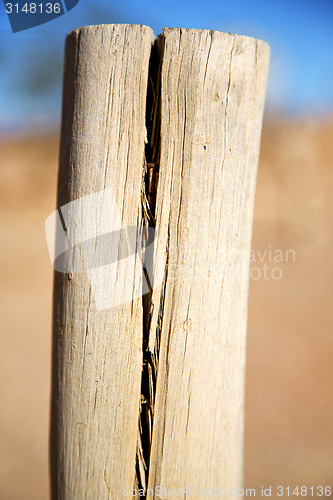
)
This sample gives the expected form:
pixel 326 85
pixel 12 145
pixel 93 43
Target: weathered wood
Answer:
pixel 97 354
pixel 212 97
pixel 163 375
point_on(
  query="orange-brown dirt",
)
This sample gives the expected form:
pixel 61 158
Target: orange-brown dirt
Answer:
pixel 289 388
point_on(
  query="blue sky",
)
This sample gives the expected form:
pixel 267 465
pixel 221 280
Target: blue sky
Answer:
pixel 300 33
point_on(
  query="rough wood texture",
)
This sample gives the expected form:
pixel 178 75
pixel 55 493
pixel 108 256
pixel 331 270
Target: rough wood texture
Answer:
pixel 182 348
pixel 212 97
pixel 97 355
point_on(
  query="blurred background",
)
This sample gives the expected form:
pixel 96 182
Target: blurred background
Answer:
pixel 289 395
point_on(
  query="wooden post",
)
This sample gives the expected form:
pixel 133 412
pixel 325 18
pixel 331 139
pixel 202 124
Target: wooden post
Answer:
pixel 149 393
pixel 212 97
pixel 97 354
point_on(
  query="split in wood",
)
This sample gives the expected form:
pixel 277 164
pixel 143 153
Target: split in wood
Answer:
pixel 149 190
pixel 151 392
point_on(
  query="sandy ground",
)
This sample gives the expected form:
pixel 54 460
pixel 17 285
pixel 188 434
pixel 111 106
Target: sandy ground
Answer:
pixel 289 398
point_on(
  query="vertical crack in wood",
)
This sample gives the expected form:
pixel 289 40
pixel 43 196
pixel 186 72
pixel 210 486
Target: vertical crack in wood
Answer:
pixel 149 191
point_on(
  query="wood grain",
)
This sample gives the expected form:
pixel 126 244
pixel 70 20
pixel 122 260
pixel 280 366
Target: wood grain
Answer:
pixel 212 97
pixel 97 354
pixel 179 353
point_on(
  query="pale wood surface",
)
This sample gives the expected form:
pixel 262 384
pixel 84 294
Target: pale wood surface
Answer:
pixel 212 97
pixel 98 354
